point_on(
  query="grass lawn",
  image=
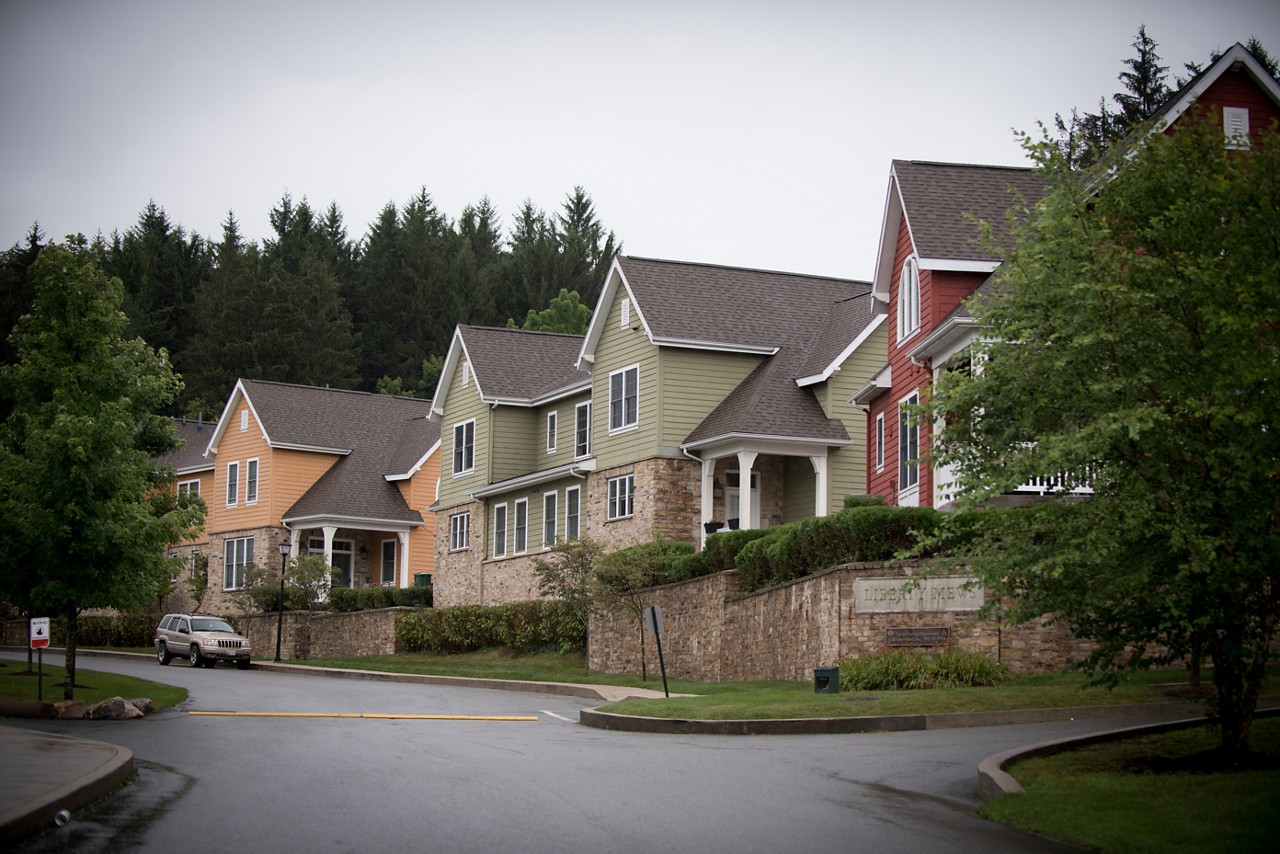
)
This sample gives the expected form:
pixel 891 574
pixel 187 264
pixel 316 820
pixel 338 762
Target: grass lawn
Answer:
pixel 1121 797
pixel 16 683
pixel 776 698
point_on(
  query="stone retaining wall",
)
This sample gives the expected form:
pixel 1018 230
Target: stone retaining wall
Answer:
pixel 323 634
pixel 713 632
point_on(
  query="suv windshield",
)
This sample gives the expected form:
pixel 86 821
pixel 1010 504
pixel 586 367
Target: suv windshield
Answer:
pixel 205 625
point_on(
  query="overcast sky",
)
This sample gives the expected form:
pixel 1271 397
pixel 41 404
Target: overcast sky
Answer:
pixel 754 134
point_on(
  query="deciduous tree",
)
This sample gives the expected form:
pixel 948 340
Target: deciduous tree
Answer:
pixel 86 513
pixel 1133 347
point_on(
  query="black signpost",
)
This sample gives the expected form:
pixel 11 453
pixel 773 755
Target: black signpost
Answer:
pixel 653 616
pixel 39 640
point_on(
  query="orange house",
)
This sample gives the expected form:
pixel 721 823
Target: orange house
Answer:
pixel 346 474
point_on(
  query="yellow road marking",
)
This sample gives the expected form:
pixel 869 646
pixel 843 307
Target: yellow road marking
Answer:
pixel 369 716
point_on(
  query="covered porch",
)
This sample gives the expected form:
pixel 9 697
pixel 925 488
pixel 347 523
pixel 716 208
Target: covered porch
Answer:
pixel 362 553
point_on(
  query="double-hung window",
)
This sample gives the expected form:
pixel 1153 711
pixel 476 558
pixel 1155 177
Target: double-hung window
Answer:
pixel 522 526
pixel 624 398
pixel 908 444
pixel 621 495
pixel 908 299
pixel 500 530
pixel 582 430
pixel 251 482
pixel 238 554
pixel 188 487
pixel 459 529
pixel 233 484
pixel 388 562
pixel 464 447
pixel 880 442
pixel 550 509
pixel 572 512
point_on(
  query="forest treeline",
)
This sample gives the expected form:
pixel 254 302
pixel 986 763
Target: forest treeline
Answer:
pixel 311 305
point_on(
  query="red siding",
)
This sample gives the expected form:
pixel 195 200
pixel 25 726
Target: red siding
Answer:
pixel 1237 89
pixel 940 293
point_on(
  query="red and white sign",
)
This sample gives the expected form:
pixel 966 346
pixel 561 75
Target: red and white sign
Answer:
pixel 39 632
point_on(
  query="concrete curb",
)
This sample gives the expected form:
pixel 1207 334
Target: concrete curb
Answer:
pixel 994 781
pixel 102 767
pixel 884 723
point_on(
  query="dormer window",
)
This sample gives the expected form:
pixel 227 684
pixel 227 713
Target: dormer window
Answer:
pixel 1235 127
pixel 908 299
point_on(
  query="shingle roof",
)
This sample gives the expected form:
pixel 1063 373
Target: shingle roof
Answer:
pixel 938 196
pixel 195 437
pixel 377 433
pixel 729 305
pixel 806 319
pixel 515 364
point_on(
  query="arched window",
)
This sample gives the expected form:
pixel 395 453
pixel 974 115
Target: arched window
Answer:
pixel 908 299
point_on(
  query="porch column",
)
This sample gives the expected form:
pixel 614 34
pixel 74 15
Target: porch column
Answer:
pixel 330 531
pixel 820 485
pixel 708 499
pixel 403 573
pixel 745 461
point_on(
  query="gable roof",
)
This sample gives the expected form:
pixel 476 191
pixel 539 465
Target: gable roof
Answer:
pixel 377 438
pixel 190 458
pixel 513 366
pixel 799 325
pixel 940 202
pixel 1237 57
pixel 710 307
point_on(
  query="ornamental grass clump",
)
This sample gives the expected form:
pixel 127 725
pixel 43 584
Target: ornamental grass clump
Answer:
pixel 904 669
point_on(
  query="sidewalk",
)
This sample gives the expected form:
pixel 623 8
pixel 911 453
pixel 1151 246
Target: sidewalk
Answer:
pixel 46 773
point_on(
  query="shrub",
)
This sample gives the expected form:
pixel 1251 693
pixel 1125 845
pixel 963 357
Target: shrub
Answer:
pixel 121 630
pixel 642 565
pixel 906 669
pixel 723 547
pixel 851 501
pixel 521 626
pixel 862 533
pixel 696 565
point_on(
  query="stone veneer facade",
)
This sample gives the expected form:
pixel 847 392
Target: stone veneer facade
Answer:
pixel 712 632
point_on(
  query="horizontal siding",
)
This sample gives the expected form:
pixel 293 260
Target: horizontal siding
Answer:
pixel 694 382
pixel 1235 89
pixel 847 467
pixel 618 349
pixel 240 446
pixel 514 434
pixel 296 472
pixel 463 404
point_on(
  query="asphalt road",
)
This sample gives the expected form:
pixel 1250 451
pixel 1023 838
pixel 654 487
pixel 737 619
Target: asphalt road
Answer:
pixel 286 783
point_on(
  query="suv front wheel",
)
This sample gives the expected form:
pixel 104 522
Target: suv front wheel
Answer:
pixel 196 658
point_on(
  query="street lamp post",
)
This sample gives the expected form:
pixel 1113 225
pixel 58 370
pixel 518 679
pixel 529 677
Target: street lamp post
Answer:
pixel 284 562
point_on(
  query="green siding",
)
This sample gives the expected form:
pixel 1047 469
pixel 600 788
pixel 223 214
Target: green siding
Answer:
pixel 616 350
pixel 516 432
pixel 694 382
pixel 797 494
pixel 463 404
pixel 847 467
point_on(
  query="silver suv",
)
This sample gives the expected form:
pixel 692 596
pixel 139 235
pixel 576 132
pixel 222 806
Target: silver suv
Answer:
pixel 202 639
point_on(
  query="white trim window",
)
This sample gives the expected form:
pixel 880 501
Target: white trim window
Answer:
pixel 237 555
pixel 521 544
pixel 622 491
pixel 624 399
pixel 500 530
pixel 459 531
pixel 880 442
pixel 550 510
pixel 582 430
pixel 908 449
pixel 1235 127
pixel 251 482
pixel 233 484
pixel 553 418
pixel 908 299
pixel 388 563
pixel 188 487
pixel 572 512
pixel 464 447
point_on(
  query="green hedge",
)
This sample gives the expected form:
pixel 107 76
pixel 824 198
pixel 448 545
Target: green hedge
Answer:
pixel 905 669
pixel 863 533
pixel 122 630
pixel 722 548
pixel 521 626
pixel 370 598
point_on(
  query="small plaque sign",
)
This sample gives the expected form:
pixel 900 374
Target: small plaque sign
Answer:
pixel 922 636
